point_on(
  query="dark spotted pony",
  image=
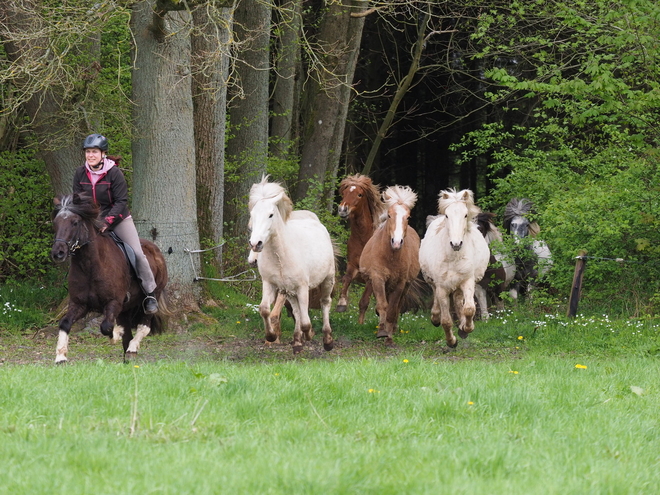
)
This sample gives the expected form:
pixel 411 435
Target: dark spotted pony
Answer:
pixel 100 278
pixel 532 257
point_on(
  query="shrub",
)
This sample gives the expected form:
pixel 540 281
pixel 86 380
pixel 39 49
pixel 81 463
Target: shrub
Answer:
pixel 25 204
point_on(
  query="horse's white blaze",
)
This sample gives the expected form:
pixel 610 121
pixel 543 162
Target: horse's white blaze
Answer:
pixel 62 347
pixel 352 188
pixel 117 333
pixel 141 332
pixel 399 227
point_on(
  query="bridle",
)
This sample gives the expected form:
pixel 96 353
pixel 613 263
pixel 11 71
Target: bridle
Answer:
pixel 74 245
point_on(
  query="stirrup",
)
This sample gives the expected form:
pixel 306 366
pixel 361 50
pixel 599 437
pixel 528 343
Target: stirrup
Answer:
pixel 150 305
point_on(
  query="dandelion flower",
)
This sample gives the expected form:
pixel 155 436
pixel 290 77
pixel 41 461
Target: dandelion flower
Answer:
pixel 136 366
pixel 514 372
pixel 581 366
pixel 470 403
pixel 405 360
pixel 520 337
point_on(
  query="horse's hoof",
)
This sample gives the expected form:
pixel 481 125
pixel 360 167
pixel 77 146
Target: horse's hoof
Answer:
pixel 297 349
pixel 435 323
pixel 382 334
pixel 63 361
pixel 454 345
pixel 341 309
pixel 463 334
pixel 271 337
pixel 329 347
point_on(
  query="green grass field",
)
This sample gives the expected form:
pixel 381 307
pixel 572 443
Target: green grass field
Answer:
pixel 530 403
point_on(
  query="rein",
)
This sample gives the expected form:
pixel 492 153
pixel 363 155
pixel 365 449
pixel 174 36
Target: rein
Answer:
pixel 74 246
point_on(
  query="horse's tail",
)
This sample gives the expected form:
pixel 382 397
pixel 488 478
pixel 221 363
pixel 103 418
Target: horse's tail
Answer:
pixel 418 296
pixel 159 320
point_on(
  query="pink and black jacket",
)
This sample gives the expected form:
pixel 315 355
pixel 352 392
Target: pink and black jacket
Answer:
pixel 110 192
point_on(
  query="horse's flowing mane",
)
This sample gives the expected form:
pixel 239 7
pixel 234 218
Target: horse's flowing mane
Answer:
pixel 485 221
pixel 265 190
pixel 77 204
pixel 450 196
pixel 402 195
pixel 376 205
pixel 517 208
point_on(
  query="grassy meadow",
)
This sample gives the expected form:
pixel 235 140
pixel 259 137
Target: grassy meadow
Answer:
pixel 530 403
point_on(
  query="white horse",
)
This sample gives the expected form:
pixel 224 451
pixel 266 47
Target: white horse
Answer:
pixel 453 256
pixel 296 255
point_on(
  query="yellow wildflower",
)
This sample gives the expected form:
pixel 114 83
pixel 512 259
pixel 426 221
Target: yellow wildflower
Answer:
pixel 581 366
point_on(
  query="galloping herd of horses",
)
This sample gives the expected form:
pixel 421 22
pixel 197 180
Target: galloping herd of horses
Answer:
pixel 297 259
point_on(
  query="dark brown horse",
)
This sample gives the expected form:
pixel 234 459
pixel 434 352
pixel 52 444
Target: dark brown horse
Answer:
pixel 100 278
pixel 362 205
pixel 390 262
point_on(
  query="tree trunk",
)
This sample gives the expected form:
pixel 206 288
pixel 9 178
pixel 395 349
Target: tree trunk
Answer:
pixel 210 70
pixel 164 202
pixel 325 117
pixel 283 131
pixel 247 150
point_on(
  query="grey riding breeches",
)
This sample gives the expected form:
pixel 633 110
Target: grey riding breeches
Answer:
pixel 128 233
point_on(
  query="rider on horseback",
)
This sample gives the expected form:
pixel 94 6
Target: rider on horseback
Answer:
pixel 101 178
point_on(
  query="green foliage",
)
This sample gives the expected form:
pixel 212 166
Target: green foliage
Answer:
pixel 578 136
pixel 25 204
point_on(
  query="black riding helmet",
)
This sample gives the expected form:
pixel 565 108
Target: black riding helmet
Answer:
pixel 95 141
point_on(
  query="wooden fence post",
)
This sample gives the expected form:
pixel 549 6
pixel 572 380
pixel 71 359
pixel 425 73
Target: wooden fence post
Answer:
pixel 576 288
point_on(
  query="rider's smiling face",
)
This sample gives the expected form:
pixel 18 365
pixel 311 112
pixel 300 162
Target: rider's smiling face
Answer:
pixel 94 157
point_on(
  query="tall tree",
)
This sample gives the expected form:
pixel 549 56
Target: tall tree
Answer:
pixel 44 49
pixel 164 199
pixel 283 127
pixel 327 94
pixel 210 44
pixel 247 150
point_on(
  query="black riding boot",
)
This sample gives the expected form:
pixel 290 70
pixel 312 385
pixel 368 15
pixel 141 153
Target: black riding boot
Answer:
pixel 150 304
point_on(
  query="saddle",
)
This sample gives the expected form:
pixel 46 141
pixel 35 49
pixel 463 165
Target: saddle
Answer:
pixel 128 251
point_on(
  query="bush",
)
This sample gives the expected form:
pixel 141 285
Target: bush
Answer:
pixel 25 203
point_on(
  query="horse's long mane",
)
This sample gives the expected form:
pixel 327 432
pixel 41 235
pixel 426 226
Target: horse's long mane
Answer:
pixel 517 208
pixel 77 204
pixel 484 221
pixel 372 192
pixel 450 196
pixel 402 195
pixel 270 191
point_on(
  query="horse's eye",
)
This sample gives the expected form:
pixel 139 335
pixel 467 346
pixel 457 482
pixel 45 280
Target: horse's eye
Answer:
pixel 270 216
pixel 359 195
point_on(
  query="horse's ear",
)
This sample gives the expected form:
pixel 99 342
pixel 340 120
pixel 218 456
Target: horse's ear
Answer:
pixel 57 200
pixel 76 199
pixel 466 195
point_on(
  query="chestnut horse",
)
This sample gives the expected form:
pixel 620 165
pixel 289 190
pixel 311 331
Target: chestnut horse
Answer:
pixel 100 278
pixel 389 261
pixel 362 205
pixel 296 254
pixel 454 256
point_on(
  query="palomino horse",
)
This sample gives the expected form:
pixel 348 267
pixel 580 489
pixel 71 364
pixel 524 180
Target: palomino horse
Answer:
pixel 362 205
pixel 533 259
pixel 500 271
pixel 453 256
pixel 389 261
pixel 296 254
pixel 100 278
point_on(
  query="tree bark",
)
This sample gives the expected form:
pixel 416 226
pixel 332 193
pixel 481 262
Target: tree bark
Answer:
pixel 247 150
pixel 210 69
pixel 325 116
pixel 283 128
pixel 164 201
